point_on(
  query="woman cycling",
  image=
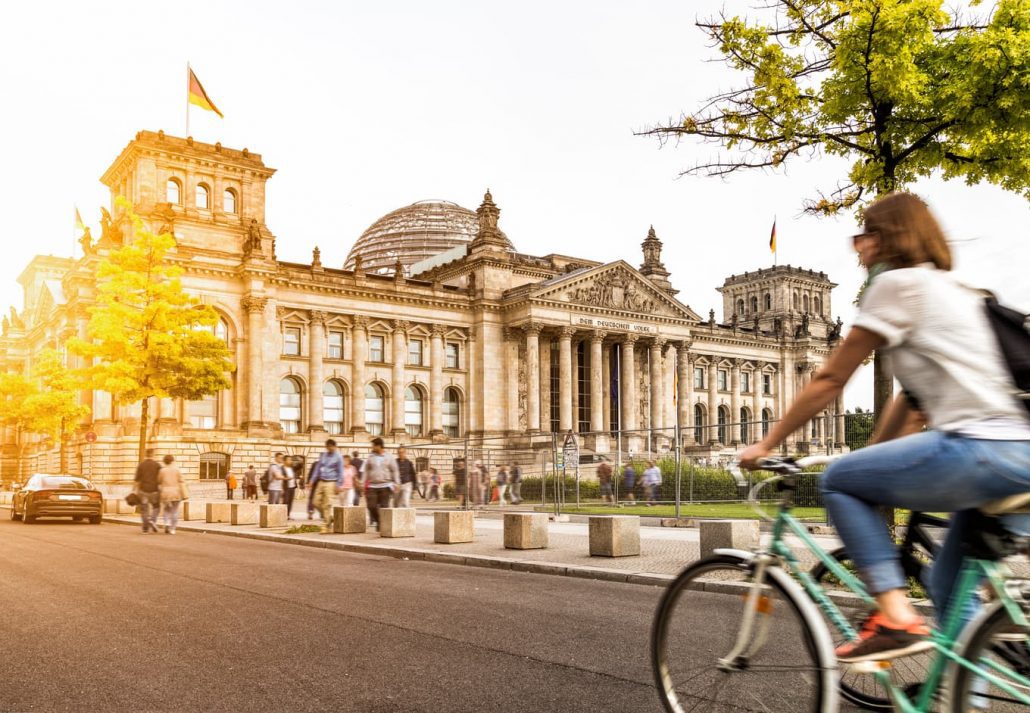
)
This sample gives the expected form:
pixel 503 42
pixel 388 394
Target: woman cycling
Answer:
pixel 942 350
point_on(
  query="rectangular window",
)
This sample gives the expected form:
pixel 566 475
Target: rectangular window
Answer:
pixel 722 380
pixel 745 382
pixel 451 355
pixel 767 384
pixel 202 413
pixel 291 341
pixel 415 352
pixel 699 377
pixel 336 345
pixel 376 348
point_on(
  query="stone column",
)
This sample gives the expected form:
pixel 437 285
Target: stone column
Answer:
pixel 713 400
pixel 657 381
pixel 316 350
pixel 359 354
pixel 255 309
pixel 400 356
pixel 685 391
pixel 669 390
pixel 565 414
pixel 575 385
pixel 627 384
pixel 606 389
pixel 596 382
pixel 533 377
pixel 804 374
pixel 735 402
pixel 511 369
pixel 756 403
pixel 436 359
pixel 545 384
pixel 838 407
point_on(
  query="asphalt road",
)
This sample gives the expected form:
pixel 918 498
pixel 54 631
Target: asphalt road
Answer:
pixel 108 619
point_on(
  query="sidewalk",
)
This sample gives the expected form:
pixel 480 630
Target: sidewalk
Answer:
pixel 664 551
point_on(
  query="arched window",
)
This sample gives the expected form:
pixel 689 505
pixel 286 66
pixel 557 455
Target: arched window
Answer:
pixel 451 412
pixel 754 305
pixel 724 419
pixel 805 302
pixel 699 424
pixel 222 330
pixel 229 200
pixel 795 301
pixel 375 405
pixel 740 308
pixel 768 300
pixel 766 420
pixel 213 466
pixel 173 191
pixel 203 196
pixel 202 413
pixel 745 426
pixel 413 411
pixel 289 405
pixel 818 306
pixel 332 407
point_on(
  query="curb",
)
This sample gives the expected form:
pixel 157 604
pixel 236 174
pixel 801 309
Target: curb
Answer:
pixel 415 553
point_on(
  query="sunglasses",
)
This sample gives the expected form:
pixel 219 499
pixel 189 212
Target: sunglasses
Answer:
pixel 860 236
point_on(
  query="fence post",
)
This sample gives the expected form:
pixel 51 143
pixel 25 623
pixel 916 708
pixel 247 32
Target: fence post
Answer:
pixel 468 474
pixel 554 470
pixel 618 464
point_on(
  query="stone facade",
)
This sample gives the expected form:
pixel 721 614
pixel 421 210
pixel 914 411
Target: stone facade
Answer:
pixel 481 342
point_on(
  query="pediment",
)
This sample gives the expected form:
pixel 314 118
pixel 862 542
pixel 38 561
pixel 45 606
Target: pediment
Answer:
pixel 617 287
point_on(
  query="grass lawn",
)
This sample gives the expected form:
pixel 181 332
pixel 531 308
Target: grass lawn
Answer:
pixel 713 510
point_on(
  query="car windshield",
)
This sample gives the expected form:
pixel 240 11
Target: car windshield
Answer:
pixel 54 482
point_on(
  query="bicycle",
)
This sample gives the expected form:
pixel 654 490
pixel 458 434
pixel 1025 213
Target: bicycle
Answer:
pixel 774 628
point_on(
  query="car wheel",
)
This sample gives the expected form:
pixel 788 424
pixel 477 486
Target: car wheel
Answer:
pixel 28 519
pixel 95 520
pixel 14 513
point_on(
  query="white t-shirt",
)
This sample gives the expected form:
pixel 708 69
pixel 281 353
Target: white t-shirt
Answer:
pixel 941 347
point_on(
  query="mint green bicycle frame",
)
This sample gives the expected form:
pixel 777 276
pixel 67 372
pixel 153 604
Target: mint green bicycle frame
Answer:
pixel 943 638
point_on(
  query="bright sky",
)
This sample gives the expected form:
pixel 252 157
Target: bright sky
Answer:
pixel 366 107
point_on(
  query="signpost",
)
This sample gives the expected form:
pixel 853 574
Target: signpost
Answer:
pixel 91 438
pixel 570 459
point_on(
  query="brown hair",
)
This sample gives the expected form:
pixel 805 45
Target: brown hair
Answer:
pixel 908 232
pixel 169 459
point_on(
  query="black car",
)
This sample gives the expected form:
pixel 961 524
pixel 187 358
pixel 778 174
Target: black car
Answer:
pixel 57 496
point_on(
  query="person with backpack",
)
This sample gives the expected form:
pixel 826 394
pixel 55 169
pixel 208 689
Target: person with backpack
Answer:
pixel 230 484
pixel 944 351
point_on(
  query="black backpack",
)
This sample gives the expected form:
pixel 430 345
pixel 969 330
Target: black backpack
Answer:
pixel 1012 328
pixel 265 478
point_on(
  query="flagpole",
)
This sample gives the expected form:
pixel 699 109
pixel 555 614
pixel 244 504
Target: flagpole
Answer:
pixel 776 246
pixel 187 98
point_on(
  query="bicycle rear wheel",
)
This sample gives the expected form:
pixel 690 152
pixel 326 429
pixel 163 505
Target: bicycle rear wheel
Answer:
pixel 782 668
pixel 997 645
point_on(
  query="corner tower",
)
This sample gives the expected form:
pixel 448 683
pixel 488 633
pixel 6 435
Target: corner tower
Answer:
pixel 210 197
pixel 781 294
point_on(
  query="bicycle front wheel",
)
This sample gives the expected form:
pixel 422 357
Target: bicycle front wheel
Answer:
pixel 702 663
pixel 998 646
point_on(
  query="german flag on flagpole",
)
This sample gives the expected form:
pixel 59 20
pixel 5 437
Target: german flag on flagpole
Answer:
pixel 78 220
pixel 772 240
pixel 196 95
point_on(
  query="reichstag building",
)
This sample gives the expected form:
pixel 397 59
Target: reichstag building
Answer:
pixel 435 329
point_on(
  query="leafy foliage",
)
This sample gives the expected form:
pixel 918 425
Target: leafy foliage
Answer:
pixel 858 428
pixel 904 88
pixel 147 336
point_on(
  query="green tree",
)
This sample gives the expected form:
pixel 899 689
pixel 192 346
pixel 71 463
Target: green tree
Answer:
pixel 858 428
pixel 17 412
pixel 902 88
pixel 58 400
pixel 147 336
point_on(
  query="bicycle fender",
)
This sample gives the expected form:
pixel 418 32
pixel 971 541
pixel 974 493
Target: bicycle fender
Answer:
pixel 742 554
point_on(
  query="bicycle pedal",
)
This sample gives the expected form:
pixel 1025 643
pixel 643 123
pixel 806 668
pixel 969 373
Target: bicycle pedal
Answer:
pixel 870 666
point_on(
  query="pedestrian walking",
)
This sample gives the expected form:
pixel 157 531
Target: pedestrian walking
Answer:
pixel 276 476
pixel 515 480
pixel 230 484
pixel 434 485
pixel 350 481
pixel 484 483
pixel 357 462
pixel 289 485
pixel 460 481
pixel 402 498
pixel 475 478
pixel 250 483
pixel 604 477
pixel 147 490
pixel 382 478
pixel 329 481
pixel 629 481
pixel 172 491
pixel 651 479
pixel 502 484
pixel 423 483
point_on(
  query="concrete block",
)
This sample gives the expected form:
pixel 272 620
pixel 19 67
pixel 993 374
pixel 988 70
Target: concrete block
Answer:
pixel 194 510
pixel 397 522
pixel 614 535
pixel 525 530
pixel 218 512
pixel 271 515
pixel 244 513
pixel 351 519
pixel 735 534
pixel 452 527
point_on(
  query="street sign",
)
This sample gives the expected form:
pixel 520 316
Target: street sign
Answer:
pixel 91 437
pixel 570 453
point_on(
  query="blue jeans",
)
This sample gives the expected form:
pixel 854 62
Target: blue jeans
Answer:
pixel 931 472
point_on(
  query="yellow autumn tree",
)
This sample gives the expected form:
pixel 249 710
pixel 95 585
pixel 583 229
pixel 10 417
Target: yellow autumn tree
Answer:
pixel 147 337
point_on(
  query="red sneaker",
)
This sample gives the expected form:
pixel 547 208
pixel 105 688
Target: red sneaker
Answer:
pixel 880 640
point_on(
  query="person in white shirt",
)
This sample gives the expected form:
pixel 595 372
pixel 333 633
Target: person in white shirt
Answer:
pixel 941 348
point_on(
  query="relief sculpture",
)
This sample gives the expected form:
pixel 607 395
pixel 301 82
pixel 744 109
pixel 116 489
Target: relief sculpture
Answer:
pixel 614 291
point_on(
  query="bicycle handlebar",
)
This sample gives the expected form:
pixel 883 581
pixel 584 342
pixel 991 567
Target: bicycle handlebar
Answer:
pixel 783 466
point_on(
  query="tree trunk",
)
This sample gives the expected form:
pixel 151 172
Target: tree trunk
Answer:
pixel 883 391
pixel 144 414
pixel 61 444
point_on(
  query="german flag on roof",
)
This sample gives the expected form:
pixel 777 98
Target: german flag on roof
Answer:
pixel 198 97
